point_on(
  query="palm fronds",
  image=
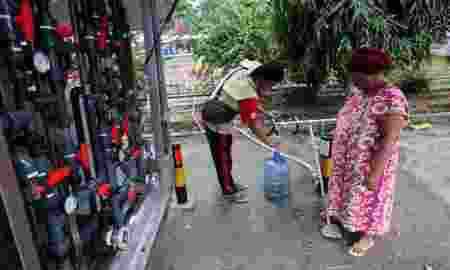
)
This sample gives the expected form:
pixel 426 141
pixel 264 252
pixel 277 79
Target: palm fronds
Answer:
pixel 321 32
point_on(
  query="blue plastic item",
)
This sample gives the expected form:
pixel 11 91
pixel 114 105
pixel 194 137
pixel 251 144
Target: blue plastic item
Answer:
pixel 55 226
pixel 276 177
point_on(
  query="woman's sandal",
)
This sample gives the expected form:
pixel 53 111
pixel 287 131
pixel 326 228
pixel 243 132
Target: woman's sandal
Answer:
pixel 357 251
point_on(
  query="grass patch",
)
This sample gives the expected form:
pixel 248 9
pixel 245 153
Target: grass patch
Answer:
pixel 415 121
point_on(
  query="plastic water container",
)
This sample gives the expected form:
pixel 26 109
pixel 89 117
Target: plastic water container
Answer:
pixel 276 177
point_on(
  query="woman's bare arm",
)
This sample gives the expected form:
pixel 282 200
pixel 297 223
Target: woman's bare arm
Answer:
pixel 392 125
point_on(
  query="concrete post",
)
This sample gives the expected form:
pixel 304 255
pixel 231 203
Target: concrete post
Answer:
pixel 151 74
pixel 154 80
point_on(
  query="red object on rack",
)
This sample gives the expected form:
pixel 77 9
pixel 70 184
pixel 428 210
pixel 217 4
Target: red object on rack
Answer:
pixel 25 20
pixel 64 30
pixel 102 35
pixel 83 156
pixel 104 190
pixel 136 152
pixel 55 177
pixel 118 44
pixel 132 195
pixel 125 124
pixel 115 134
pixel 38 191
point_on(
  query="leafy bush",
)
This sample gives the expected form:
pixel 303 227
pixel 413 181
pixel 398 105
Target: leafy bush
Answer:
pixel 232 30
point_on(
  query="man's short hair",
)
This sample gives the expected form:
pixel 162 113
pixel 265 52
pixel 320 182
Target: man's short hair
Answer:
pixel 270 72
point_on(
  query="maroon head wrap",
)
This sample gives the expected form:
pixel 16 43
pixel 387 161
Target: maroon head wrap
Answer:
pixel 370 60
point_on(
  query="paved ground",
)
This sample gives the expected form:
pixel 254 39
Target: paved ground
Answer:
pixel 259 236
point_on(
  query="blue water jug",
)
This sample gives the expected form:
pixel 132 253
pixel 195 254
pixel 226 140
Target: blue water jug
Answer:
pixel 276 177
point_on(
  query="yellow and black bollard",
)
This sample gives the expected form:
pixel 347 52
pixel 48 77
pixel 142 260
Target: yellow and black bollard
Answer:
pixel 326 163
pixel 180 177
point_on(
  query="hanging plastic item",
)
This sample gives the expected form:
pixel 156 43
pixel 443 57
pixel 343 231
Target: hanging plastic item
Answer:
pixel 25 167
pixel 102 35
pixel 71 203
pixel 125 125
pixel 57 176
pixel 115 134
pixel 83 157
pixel 41 62
pixel 24 20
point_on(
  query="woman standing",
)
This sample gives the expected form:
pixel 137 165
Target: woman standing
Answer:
pixel 366 151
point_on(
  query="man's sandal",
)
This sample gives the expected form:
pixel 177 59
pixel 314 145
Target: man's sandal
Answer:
pixel 357 251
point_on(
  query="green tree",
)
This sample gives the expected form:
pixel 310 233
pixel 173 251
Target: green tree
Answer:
pixel 231 30
pixel 322 33
pixel 185 9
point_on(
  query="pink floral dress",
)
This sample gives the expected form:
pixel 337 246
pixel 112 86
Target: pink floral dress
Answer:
pixel 357 137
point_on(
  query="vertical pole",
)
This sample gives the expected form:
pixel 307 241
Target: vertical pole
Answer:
pixel 154 80
pixel 161 79
pixel 151 77
pixel 165 116
pixel 164 108
pixel 15 209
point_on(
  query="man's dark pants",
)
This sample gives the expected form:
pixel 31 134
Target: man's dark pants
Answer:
pixel 220 145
